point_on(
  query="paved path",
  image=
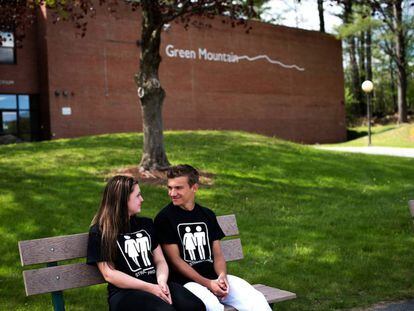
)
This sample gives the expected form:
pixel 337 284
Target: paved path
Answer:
pixel 406 305
pixel 390 151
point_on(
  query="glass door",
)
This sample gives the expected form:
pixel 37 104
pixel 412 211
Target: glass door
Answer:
pixel 19 116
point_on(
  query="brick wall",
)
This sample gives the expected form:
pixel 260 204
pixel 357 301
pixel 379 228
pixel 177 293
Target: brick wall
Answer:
pixel 94 77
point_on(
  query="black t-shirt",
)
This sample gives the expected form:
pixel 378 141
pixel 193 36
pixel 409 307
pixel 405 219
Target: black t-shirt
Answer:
pixel 134 252
pixel 194 232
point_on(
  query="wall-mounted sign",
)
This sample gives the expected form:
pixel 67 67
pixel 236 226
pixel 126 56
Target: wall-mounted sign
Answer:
pixel 6 82
pixel 66 111
pixel 204 54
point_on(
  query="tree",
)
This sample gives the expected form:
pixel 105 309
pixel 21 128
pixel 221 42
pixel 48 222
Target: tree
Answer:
pixel 351 42
pixel 16 15
pixel 261 8
pixel 321 16
pixel 357 32
pixel 391 13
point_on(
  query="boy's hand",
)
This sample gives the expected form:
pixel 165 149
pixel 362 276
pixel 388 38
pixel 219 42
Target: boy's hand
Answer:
pixel 223 282
pixel 216 289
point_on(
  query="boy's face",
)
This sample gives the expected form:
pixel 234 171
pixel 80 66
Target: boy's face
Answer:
pixel 180 191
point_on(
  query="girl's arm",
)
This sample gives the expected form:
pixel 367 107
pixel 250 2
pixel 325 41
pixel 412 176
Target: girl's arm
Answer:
pixel 162 271
pixel 160 265
pixel 123 280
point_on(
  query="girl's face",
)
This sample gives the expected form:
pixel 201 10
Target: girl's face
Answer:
pixel 134 201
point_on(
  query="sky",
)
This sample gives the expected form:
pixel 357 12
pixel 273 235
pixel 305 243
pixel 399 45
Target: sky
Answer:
pixel 303 15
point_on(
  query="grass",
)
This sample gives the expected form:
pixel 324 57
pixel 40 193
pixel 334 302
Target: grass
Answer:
pixel 382 135
pixel 334 228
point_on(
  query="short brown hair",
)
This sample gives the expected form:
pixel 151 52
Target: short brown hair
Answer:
pixel 184 170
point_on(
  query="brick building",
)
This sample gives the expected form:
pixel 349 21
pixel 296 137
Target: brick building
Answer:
pixel 275 80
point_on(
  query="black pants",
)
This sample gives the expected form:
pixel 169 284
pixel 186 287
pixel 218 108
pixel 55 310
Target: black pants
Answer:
pixel 138 300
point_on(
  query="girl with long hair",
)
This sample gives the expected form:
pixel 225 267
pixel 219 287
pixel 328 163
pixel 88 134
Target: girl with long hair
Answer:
pixel 126 252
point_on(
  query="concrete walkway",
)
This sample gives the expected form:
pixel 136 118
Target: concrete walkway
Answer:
pixel 406 305
pixel 389 151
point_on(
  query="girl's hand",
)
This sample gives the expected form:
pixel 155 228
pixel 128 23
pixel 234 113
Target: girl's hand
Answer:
pixel 164 288
pixel 160 291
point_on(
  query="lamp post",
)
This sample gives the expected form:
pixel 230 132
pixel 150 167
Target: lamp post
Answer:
pixel 367 86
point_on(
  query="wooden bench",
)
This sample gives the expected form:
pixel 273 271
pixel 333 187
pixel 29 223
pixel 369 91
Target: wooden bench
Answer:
pixel 411 206
pixel 56 278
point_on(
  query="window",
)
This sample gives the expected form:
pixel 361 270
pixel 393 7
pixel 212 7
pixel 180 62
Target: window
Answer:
pixel 7 49
pixel 19 116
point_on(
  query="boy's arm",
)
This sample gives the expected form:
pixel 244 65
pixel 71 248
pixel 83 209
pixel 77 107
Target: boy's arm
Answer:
pixel 220 266
pixel 173 253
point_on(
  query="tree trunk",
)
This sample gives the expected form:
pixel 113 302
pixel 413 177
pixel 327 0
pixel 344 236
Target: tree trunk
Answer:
pixel 361 56
pixel 368 68
pixel 321 17
pixel 401 61
pixel 356 83
pixel 392 86
pixel 368 54
pixel 150 91
pixel 361 66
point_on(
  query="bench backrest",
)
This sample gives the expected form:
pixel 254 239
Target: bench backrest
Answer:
pixel 60 277
pixel 411 206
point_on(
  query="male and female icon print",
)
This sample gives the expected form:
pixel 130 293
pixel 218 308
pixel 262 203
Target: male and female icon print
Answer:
pixel 138 247
pixel 196 240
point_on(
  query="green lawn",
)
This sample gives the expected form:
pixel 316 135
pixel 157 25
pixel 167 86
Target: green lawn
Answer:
pixel 382 135
pixel 334 228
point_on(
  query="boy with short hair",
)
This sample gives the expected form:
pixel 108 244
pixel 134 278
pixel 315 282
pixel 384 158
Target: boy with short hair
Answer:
pixel 190 237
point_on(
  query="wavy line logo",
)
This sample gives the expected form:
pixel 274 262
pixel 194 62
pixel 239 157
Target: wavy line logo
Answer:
pixel 204 54
pixel 276 62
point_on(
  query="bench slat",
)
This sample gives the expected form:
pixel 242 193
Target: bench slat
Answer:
pixel 75 245
pixel 51 279
pixel 45 280
pixel 228 224
pixel 271 294
pixel 232 249
pixel 411 205
pixel 53 249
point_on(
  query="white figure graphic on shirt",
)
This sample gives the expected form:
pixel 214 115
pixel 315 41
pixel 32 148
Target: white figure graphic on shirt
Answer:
pixel 132 249
pixel 143 247
pixel 200 238
pixel 189 243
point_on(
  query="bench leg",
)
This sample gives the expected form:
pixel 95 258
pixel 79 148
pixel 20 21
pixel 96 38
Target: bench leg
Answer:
pixel 57 300
pixel 57 297
pixel 271 305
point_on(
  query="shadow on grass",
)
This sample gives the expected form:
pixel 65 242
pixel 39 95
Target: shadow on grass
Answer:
pixel 353 134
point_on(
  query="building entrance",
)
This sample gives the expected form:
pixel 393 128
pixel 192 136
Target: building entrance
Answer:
pixel 19 116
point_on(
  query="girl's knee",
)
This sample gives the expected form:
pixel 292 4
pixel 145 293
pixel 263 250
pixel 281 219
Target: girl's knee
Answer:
pixel 195 305
pixel 163 308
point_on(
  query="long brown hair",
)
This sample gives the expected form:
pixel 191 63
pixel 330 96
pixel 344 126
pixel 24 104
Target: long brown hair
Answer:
pixel 112 216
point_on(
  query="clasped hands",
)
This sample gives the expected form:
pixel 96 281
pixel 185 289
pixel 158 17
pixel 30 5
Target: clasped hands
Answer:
pixel 161 290
pixel 220 286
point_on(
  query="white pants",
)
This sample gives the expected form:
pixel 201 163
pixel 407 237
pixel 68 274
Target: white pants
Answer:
pixel 241 296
